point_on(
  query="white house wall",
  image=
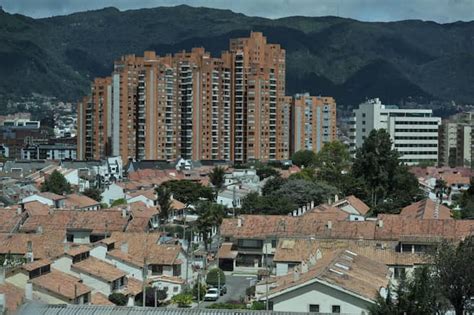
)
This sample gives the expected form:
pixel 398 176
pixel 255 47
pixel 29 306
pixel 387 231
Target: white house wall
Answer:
pixel 298 300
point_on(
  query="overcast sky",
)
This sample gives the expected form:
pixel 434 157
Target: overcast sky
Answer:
pixel 442 11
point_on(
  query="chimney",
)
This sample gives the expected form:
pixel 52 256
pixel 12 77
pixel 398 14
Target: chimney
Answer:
pixel 329 225
pixel 380 223
pixel 312 204
pixel 124 212
pixel 29 252
pixel 239 222
pixel 29 291
pixel 312 260
pixel 50 210
pixel 124 248
pixel 329 201
pixel 336 198
pixel 2 275
pixel 39 229
pixel 296 275
pixel 19 210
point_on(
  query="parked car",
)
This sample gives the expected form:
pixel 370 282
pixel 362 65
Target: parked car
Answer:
pixel 211 295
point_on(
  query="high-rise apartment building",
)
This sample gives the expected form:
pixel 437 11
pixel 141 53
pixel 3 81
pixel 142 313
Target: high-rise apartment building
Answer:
pixel 414 132
pixel 456 144
pixel 191 105
pixel 313 122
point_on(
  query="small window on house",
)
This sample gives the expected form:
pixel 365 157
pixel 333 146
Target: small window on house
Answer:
pixel 398 272
pixel 86 298
pixel 175 289
pixel 336 309
pixel 314 308
pixel 274 243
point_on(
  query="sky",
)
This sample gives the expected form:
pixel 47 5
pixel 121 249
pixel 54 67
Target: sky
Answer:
pixel 441 11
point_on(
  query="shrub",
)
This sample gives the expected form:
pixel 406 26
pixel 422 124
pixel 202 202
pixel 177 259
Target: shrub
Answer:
pixel 213 277
pixel 182 299
pixel 118 299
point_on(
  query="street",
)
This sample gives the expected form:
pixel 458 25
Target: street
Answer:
pixel 236 286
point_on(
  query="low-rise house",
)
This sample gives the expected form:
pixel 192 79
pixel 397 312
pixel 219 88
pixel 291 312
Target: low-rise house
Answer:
pixel 130 252
pixel 112 192
pixel 143 217
pixel 80 226
pixel 426 209
pixel 48 285
pixel 81 202
pixel 11 218
pixel 19 246
pixel 47 198
pixel 147 196
pixel 13 296
pixel 339 282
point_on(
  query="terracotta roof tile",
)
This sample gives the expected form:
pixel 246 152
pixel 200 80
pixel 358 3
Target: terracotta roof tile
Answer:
pixel 46 245
pixel 145 245
pixel 36 208
pixel 10 220
pixel 36 264
pixel 426 209
pixel 99 269
pixel 226 252
pixel 348 270
pixel 76 250
pixel 50 195
pixel 75 201
pixel 61 284
pixel 14 297
pixel 133 287
pixel 98 221
pixel 100 299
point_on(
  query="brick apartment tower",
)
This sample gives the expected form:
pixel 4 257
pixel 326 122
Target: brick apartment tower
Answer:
pixel 191 105
pixel 313 122
pixel 258 76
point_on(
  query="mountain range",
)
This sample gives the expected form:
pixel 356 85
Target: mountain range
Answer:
pixel 348 59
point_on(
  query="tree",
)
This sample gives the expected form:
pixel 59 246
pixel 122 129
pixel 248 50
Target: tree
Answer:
pixel 118 299
pixel 440 188
pixel 301 192
pixel 307 173
pixel 182 299
pixel 164 201
pixel 118 202
pixel 210 215
pixel 466 202
pixel 272 185
pixel 416 295
pixel 93 193
pixel 188 192
pixel 56 183
pixel 199 294
pixel 215 277
pixel 303 158
pixel 270 204
pixel 454 272
pixel 216 177
pixel 389 185
pixel 265 171
pixel 332 161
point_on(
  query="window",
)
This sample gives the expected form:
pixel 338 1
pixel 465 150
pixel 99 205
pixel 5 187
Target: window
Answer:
pixel 336 309
pixel 398 272
pixel 314 308
pixel 274 243
pixel 175 289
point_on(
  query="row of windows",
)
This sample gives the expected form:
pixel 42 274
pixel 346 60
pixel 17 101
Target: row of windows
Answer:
pixel 416 130
pixel 314 308
pixel 416 123
pixel 421 153
pixel 415 138
pixel 409 145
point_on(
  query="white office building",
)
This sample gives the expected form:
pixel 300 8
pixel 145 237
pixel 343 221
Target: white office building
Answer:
pixel 414 132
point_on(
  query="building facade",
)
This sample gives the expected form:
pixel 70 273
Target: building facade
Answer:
pixel 190 105
pixel 414 132
pixel 313 122
pixel 456 141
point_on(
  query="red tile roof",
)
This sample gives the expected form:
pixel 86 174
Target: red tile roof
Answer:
pixel 10 220
pixel 75 201
pixel 99 269
pixel 426 209
pixel 14 297
pixel 61 284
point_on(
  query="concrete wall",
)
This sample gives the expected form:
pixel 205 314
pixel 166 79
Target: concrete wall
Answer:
pixel 96 284
pixel 43 200
pixel 131 270
pixel 63 264
pixel 299 300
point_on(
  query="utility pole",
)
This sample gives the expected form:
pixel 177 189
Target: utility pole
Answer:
pixel 218 281
pixel 199 289
pixel 156 297
pixel 266 279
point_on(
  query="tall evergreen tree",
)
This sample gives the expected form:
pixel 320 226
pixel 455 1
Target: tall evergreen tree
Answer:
pixel 56 183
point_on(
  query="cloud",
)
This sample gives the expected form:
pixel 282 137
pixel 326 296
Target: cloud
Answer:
pixel 442 11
